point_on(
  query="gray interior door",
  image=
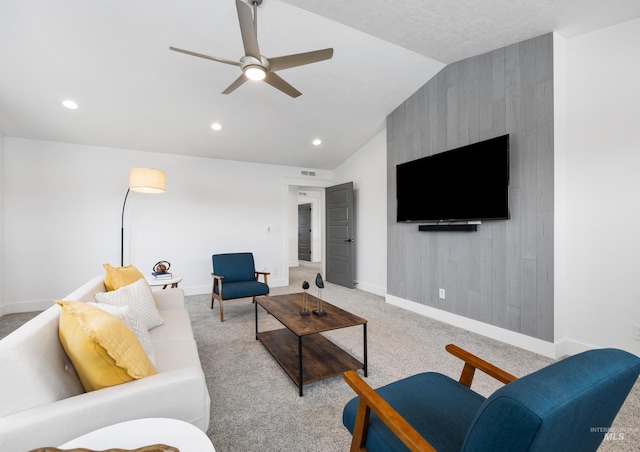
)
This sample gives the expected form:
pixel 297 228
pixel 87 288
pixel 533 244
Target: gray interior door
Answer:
pixel 340 235
pixel 304 232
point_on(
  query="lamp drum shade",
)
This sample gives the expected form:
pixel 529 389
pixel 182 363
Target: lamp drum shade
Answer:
pixel 147 180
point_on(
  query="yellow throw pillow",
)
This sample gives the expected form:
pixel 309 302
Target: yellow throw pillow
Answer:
pixel 103 350
pixel 117 277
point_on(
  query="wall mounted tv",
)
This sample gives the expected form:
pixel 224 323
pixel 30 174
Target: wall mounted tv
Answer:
pixel 464 184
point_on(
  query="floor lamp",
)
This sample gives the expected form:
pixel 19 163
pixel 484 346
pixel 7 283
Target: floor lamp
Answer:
pixel 142 180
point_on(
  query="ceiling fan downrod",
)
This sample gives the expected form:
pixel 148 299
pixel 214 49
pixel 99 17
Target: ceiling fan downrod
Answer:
pixel 255 4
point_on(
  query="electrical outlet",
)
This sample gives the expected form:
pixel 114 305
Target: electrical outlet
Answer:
pixel 636 332
pixel 441 293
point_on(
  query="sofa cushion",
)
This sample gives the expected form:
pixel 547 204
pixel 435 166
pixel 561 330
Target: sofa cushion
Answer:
pixel 176 326
pixel 124 314
pixel 176 355
pixel 116 277
pixel 103 350
pixel 139 298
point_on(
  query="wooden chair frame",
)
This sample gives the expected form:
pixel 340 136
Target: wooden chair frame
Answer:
pixel 217 281
pixel 370 400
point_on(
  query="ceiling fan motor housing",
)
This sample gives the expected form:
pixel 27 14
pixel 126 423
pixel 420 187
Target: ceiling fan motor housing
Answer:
pixel 247 61
pixel 253 68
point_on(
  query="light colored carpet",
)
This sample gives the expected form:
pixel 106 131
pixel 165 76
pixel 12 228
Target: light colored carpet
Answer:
pixel 256 407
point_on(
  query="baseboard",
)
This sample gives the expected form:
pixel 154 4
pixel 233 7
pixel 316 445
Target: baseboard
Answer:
pixel 567 347
pixel 277 281
pixel 26 306
pixel 549 349
pixel 371 288
pixel 195 290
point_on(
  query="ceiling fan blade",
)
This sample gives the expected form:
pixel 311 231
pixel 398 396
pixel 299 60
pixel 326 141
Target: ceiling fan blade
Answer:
pixel 237 82
pixel 299 59
pixel 248 30
pixel 276 81
pixel 200 55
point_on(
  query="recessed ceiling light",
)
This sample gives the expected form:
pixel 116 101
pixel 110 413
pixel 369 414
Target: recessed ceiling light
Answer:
pixel 317 142
pixel 71 105
pixel 216 126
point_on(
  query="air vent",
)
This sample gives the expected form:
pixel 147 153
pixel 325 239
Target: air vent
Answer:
pixel 308 173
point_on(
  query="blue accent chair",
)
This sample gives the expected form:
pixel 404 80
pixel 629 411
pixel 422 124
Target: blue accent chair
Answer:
pixel 235 276
pixel 566 406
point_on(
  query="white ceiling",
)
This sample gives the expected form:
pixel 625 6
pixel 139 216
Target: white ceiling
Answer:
pixel 112 58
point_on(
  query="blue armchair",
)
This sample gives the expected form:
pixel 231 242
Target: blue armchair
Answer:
pixel 235 276
pixel 566 406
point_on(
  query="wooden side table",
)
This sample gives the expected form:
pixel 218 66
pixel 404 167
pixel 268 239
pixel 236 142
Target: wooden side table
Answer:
pixel 145 432
pixel 157 282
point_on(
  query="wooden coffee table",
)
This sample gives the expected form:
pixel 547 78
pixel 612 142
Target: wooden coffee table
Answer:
pixel 304 354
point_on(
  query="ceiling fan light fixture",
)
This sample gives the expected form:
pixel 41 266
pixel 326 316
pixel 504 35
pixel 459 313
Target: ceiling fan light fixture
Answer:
pixel 255 72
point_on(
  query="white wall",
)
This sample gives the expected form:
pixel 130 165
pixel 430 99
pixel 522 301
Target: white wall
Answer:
pixel 62 207
pixel 367 168
pixel 1 221
pixel 603 188
pixel 292 222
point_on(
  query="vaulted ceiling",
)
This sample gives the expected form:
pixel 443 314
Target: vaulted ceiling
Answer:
pixel 113 59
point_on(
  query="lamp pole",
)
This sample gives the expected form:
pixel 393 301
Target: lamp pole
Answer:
pixel 122 229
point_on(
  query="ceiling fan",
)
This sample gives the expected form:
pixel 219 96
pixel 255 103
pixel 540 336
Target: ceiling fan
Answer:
pixel 256 66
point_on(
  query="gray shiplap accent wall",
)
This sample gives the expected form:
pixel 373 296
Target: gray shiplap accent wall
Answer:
pixel 503 273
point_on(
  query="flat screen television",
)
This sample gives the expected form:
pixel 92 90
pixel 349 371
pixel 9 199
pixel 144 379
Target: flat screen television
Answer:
pixel 464 184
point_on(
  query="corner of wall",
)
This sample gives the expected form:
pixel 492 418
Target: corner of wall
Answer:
pixel 560 130
pixel 2 225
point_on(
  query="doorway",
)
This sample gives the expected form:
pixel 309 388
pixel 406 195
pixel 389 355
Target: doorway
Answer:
pixel 304 232
pixel 341 210
pixel 308 240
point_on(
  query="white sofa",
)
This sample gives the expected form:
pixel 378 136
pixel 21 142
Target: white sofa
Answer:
pixel 42 402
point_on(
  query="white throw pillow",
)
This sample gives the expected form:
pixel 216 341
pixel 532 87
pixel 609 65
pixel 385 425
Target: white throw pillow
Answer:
pixel 119 312
pixel 139 298
pixel 124 314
